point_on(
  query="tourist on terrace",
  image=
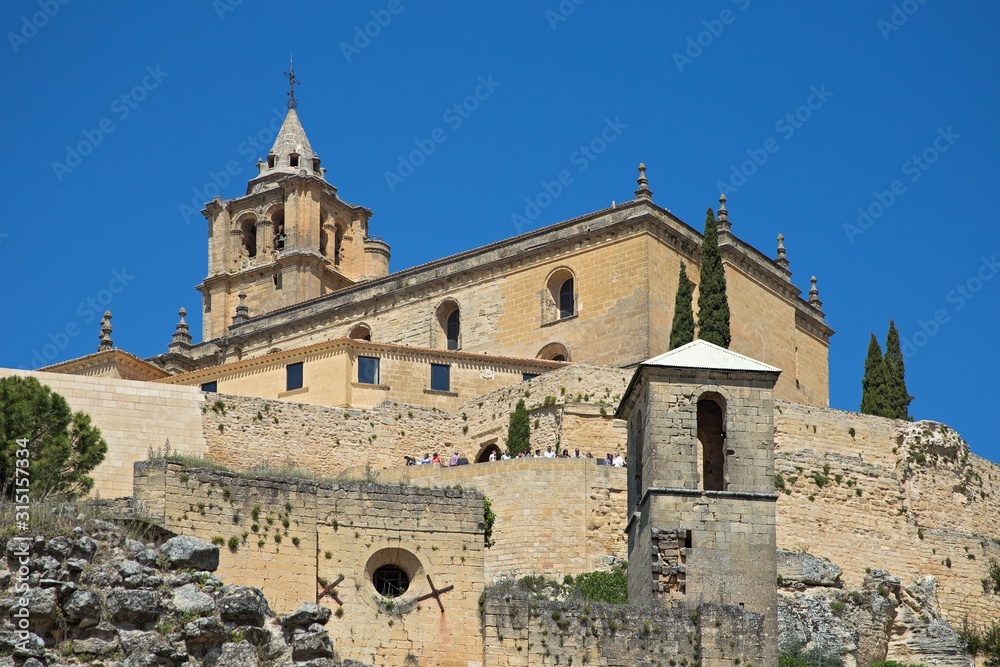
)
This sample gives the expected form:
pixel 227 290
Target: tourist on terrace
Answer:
pixel 577 454
pixel 453 461
pixel 618 462
pixel 436 458
pixel 565 454
pixel 505 456
pixel 549 454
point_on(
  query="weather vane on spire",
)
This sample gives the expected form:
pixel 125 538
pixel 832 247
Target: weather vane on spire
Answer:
pixel 292 82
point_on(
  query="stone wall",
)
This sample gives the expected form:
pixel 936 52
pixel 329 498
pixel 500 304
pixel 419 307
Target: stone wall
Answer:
pixel 870 492
pixel 299 540
pixel 133 417
pixel 553 516
pixel 246 433
pixel 529 633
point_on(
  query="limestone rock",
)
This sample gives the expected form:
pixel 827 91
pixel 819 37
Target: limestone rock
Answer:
pixel 243 604
pixel 184 551
pixel 136 607
pixel 189 600
pixel 238 655
pixel 801 568
pixel 305 616
pixel 311 643
pixel 83 608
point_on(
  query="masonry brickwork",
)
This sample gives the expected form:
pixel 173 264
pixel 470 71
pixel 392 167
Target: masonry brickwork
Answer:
pixel 300 540
pixel 133 417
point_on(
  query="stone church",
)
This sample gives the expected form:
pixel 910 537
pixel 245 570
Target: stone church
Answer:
pixel 293 267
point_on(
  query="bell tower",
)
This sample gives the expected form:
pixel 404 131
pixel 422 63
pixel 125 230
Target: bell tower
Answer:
pixel 289 239
pixel 701 498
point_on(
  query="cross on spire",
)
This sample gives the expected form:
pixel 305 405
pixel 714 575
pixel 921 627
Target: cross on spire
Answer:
pixel 292 82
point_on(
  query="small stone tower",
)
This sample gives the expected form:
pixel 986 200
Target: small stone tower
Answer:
pixel 701 498
pixel 288 240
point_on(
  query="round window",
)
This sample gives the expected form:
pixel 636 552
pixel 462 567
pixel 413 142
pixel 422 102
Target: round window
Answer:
pixel 390 580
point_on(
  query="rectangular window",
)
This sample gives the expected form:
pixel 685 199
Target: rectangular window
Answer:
pixel 293 376
pixel 440 377
pixel 368 370
pixel 528 376
pixel 211 387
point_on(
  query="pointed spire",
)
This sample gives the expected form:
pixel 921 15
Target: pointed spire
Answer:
pixel 106 342
pixel 242 311
pixel 782 260
pixel 643 192
pixel 723 216
pixel 814 295
pixel 182 335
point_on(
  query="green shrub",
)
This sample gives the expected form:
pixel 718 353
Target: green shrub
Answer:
pixel 603 586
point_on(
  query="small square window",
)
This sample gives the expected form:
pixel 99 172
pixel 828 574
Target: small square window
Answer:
pixel 210 387
pixel 293 376
pixel 368 370
pixel 440 377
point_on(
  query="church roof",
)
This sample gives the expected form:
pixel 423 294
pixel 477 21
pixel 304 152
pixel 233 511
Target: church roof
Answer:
pixel 702 354
pixel 292 139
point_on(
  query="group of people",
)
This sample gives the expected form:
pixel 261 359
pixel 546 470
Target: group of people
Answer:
pixel 616 460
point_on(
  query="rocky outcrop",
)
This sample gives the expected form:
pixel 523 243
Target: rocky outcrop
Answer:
pixel 882 620
pixel 96 596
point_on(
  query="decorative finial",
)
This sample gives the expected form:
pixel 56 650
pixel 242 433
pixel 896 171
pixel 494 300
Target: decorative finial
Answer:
pixel 723 217
pixel 105 337
pixel 242 311
pixel 182 334
pixel 782 260
pixel 814 295
pixel 643 192
pixel 292 82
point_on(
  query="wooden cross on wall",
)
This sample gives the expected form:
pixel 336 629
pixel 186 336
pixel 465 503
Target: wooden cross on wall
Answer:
pixel 435 593
pixel 329 591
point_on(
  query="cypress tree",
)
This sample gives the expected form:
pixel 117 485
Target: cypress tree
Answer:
pixel 873 384
pixel 519 432
pixel 682 330
pixel 713 306
pixel 897 398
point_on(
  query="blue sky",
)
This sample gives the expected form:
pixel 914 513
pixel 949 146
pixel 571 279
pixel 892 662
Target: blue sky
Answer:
pixel 864 132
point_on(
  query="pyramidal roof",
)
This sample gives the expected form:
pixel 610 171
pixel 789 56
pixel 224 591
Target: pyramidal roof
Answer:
pixel 292 139
pixel 702 354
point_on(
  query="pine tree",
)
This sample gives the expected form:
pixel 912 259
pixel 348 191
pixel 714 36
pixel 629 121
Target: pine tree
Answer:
pixel 682 330
pixel 897 398
pixel 873 384
pixel 519 432
pixel 713 306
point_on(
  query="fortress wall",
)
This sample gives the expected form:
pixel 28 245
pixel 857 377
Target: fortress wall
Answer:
pixel 132 416
pixel 579 392
pixel 343 529
pixel 246 433
pixel 887 510
pixel 553 516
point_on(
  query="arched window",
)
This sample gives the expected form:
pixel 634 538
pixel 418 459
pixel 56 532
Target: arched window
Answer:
pixel 360 332
pixel 561 298
pixel 453 328
pixel 249 231
pixel 567 306
pixel 554 352
pixel 712 439
pixel 278 223
pixel 449 326
pixel 338 243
